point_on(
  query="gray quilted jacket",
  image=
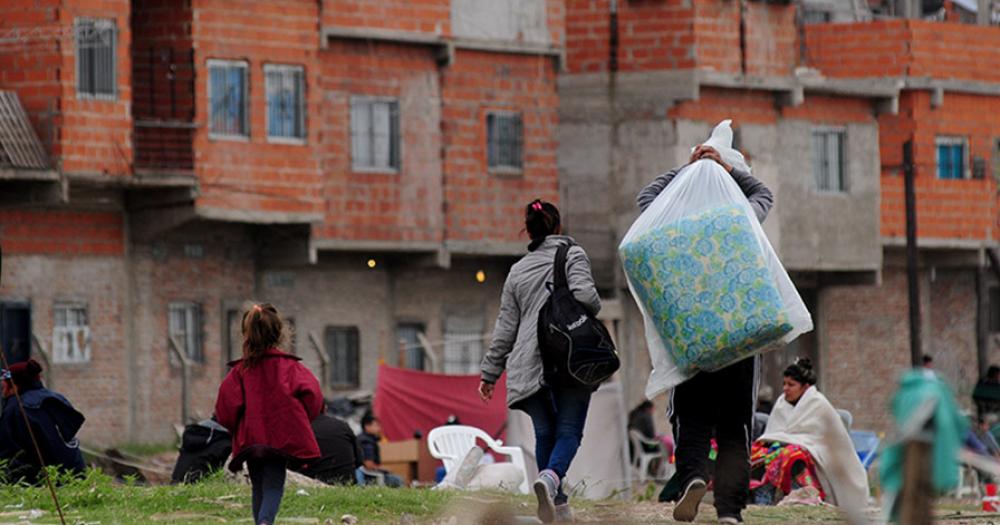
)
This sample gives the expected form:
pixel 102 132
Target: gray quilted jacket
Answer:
pixel 515 336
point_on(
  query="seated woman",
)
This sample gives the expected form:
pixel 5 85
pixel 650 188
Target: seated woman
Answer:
pixel 806 444
pixel 53 419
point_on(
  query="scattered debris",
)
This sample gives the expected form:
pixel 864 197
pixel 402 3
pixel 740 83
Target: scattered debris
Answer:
pixel 349 519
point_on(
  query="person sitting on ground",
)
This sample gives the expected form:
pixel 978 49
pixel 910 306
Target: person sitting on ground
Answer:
pixel 340 450
pixel 986 395
pixel 806 444
pixel 54 423
pixel 371 434
pixel 205 447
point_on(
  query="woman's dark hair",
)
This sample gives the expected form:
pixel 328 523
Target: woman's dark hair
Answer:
pixel 802 371
pixel 263 329
pixel 541 219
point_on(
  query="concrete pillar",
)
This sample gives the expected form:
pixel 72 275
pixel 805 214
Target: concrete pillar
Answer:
pixel 985 9
pixel 908 8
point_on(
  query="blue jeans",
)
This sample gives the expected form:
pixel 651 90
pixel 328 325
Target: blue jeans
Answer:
pixel 558 415
pixel 267 477
pixel 391 480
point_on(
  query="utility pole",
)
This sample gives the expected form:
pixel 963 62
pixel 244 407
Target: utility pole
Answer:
pixel 912 269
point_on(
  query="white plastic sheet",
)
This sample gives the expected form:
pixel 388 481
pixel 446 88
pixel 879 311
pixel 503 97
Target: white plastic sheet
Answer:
pixel 710 286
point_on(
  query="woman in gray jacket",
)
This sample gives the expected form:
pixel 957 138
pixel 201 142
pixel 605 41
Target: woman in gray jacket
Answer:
pixel 557 412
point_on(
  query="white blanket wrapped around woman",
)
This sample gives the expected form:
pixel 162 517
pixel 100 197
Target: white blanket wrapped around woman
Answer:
pixel 815 425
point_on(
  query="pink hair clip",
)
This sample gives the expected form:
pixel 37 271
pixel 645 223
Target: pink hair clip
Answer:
pixel 537 206
pixel 257 307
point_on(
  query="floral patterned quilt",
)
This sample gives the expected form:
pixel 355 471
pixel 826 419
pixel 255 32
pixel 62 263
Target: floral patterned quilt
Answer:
pixel 706 285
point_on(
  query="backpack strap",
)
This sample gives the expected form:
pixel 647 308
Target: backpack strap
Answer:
pixel 559 272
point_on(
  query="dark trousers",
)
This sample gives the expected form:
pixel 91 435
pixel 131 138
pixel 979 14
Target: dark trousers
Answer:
pixel 558 415
pixel 717 404
pixel 267 478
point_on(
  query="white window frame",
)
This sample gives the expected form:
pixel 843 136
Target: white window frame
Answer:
pixel 952 140
pixel 398 136
pixel 70 339
pixel 843 160
pixel 504 169
pixel 100 24
pixel 303 104
pixel 193 337
pixel 216 135
pixel 459 343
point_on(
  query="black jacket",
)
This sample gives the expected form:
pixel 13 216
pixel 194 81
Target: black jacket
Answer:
pixel 340 450
pixel 205 446
pixel 55 424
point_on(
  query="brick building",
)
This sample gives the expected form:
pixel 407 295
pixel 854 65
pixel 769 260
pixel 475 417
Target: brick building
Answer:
pixel 363 165
pixel 822 110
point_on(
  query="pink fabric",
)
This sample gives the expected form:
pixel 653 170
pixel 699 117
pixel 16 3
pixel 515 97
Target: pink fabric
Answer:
pixel 410 400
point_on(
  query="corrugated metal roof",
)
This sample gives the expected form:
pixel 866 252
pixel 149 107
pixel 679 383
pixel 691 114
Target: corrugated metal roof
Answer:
pixel 19 145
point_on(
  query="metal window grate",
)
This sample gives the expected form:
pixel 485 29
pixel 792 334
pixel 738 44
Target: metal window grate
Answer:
pixel 505 141
pixel 285 101
pixel 408 334
pixel 375 140
pixel 186 327
pixel 19 145
pixel 70 334
pixel 342 345
pixel 96 42
pixel 828 160
pixel 227 87
pixel 463 344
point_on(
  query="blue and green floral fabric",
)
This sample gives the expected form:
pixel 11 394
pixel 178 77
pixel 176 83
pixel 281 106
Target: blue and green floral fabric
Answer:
pixel 706 285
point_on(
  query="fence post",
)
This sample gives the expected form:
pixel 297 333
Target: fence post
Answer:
pixel 324 362
pixel 185 378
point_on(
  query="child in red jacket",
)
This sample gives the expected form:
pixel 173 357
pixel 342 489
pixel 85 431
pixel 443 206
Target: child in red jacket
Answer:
pixel 267 402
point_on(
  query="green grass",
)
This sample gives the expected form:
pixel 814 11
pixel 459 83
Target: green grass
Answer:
pixel 146 449
pixel 97 498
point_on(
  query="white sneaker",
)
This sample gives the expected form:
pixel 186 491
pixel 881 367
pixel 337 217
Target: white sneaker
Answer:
pixel 687 507
pixel 564 514
pixel 731 520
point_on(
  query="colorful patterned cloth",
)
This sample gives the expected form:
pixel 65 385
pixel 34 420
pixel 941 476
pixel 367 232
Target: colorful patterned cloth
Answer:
pixel 706 285
pixel 778 461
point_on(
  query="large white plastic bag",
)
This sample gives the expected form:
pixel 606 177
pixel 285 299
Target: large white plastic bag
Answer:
pixel 709 285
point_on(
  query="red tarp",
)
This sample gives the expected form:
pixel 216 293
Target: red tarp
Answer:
pixel 407 401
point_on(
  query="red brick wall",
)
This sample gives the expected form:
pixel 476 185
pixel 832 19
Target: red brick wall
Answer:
pixel 484 206
pixel 68 233
pixel 677 34
pixel 253 174
pixel 859 50
pixel 30 61
pixel 96 135
pixel 423 16
pixel 406 205
pixel 901 47
pixel 946 209
pixel 716 104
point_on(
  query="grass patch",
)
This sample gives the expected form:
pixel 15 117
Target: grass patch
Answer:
pixel 98 498
pixel 146 449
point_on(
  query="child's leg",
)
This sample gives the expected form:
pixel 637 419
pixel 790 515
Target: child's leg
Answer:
pixel 256 486
pixel 273 488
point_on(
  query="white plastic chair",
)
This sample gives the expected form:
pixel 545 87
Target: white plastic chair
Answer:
pixel 642 457
pixel 968 483
pixel 451 443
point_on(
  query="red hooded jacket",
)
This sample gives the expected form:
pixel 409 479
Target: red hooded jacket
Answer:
pixel 268 409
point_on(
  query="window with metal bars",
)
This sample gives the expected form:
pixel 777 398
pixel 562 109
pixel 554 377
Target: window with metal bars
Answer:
pixel 463 343
pixel 185 328
pixel 70 334
pixel 227 98
pixel 285 86
pixel 828 160
pixel 96 69
pixel 343 348
pixel 951 157
pixel 504 141
pixel 408 336
pixel 375 140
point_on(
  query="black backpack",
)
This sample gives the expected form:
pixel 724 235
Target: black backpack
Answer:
pixel 576 348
